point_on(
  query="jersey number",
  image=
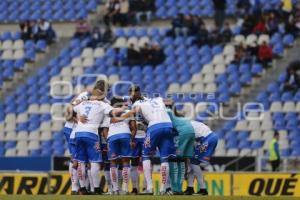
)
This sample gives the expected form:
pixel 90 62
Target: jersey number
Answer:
pixel 87 110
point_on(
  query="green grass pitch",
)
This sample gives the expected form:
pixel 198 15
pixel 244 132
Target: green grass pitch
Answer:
pixel 67 197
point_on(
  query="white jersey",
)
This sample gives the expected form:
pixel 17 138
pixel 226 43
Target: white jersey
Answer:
pixel 140 133
pixel 96 111
pixel 119 128
pixel 201 130
pixel 72 136
pixel 81 97
pixel 153 111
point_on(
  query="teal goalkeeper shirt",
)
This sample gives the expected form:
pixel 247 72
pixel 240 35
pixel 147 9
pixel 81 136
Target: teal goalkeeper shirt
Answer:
pixel 181 124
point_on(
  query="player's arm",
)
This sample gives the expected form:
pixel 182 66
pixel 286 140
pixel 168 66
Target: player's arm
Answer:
pixel 133 128
pixel 69 113
pixel 105 132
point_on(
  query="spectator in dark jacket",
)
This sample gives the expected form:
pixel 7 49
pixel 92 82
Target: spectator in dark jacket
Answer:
pixel 157 55
pixel 220 6
pixel 202 36
pixel 226 33
pixel 26 31
pixel 265 54
pixel 96 38
pixel 82 29
pixel 178 25
pixel 133 56
pixel 145 54
pixel 292 82
pixel 113 12
pixel 247 25
pixel 108 36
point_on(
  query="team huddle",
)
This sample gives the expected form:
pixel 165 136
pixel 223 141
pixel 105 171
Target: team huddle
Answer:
pixel 123 134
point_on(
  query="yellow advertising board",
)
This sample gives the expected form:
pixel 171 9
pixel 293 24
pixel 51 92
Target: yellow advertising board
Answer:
pixel 273 184
pixel 218 184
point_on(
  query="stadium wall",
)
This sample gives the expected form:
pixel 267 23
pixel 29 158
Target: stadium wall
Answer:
pixel 218 184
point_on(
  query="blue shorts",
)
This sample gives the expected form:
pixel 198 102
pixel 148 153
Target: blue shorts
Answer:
pixel 119 147
pixel 137 151
pixel 67 133
pixel 205 148
pixel 72 147
pixel 160 136
pixel 87 149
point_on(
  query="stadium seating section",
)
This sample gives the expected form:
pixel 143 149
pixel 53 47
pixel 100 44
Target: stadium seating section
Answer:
pixel 27 128
pixel 53 10
pixel 15 53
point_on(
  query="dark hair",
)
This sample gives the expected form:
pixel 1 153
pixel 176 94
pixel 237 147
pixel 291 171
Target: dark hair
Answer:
pixel 117 101
pixel 276 134
pixel 134 88
pixel 101 85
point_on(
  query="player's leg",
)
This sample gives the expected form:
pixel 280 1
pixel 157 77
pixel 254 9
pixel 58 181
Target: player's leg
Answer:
pixel 120 177
pixel 167 150
pixel 112 157
pixel 126 155
pixel 73 168
pixel 136 153
pixel 190 180
pixel 200 179
pixel 81 157
pixel 149 148
pixel 90 179
pixel 95 158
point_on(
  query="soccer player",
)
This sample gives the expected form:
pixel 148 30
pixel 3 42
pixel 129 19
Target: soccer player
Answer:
pixel 136 154
pixel 206 142
pixel 68 130
pixel 185 150
pixel 159 135
pixel 94 112
pixel 120 136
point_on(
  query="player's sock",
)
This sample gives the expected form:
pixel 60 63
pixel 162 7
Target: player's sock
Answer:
pixel 134 177
pixel 81 174
pixel 90 177
pixel 120 178
pixel 114 177
pixel 199 176
pixel 181 172
pixel 173 175
pixel 148 175
pixel 74 179
pixel 95 173
pixel 126 175
pixel 108 180
pixel 191 178
pixel 164 173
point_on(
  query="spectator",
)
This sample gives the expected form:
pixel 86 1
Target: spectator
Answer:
pixel 96 38
pixel 260 27
pixel 274 157
pixel 220 6
pixel 178 26
pixel 26 31
pixel 202 36
pixel 45 31
pixel 35 30
pixel 247 25
pixel 292 82
pixel 290 27
pixel 133 56
pixel 157 55
pixel 240 52
pixel 82 29
pixel 113 12
pixel 214 36
pixel 124 9
pixel 144 8
pixel 108 36
pixel 145 52
pixel 265 54
pixel 272 23
pixel 226 33
pixel 286 9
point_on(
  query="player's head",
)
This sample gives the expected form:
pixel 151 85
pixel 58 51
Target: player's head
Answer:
pixel 102 86
pixel 97 95
pixel 117 102
pixel 135 93
pixel 276 135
